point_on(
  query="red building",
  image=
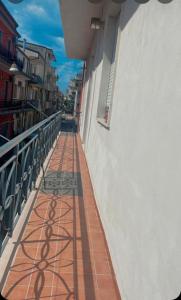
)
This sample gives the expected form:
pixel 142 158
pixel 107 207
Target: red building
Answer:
pixel 8 36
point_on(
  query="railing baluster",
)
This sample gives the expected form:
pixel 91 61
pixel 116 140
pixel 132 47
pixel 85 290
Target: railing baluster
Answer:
pixel 13 192
pixel 20 163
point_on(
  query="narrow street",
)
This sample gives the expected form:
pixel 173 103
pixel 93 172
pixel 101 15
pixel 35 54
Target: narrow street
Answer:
pixel 63 253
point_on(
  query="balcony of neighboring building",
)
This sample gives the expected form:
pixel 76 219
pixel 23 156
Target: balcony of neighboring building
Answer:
pixel 7 58
pixel 13 106
pixel 36 80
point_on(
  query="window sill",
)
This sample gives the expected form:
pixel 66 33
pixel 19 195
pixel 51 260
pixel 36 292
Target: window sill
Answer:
pixel 103 123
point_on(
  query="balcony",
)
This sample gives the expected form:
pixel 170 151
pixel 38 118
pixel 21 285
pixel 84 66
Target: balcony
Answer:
pixel 60 251
pixel 9 58
pixel 15 106
pixel 36 79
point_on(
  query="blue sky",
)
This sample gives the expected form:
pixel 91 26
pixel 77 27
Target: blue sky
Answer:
pixel 39 22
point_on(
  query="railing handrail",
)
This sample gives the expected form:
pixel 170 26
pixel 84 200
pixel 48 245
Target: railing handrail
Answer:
pixel 14 142
pixel 7 52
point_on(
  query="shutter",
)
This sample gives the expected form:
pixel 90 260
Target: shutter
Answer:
pixel 110 85
pixel 112 67
pixel 108 69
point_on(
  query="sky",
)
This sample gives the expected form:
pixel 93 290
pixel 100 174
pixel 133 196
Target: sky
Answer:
pixel 40 22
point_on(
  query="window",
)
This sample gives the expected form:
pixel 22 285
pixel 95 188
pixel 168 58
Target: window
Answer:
pixel 108 71
pixel 9 47
pixel 1 38
pixel 15 91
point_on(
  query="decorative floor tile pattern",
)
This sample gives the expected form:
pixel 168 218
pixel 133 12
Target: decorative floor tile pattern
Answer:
pixel 63 253
pixel 62 183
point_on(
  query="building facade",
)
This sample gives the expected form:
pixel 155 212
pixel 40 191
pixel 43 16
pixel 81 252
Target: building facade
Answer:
pixel 43 83
pixel 130 129
pixel 74 93
pixel 25 118
pixel 8 36
pixel 28 89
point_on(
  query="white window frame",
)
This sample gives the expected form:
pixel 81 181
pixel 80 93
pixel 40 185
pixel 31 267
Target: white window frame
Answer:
pixel 108 70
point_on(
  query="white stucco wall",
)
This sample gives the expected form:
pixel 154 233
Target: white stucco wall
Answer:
pixel 136 165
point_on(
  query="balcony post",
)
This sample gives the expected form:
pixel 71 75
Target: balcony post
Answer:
pixel 11 215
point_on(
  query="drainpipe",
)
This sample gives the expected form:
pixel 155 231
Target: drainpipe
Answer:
pixel 75 103
pixel 82 94
pixel 24 45
pixel 44 75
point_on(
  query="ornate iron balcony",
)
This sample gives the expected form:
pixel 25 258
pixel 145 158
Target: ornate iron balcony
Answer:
pixel 10 57
pixel 14 105
pixel 36 79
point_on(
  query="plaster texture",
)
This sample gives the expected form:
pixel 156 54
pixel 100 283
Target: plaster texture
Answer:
pixel 135 166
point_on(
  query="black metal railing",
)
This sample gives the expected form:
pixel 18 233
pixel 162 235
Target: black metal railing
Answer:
pixel 20 162
pixel 7 104
pixel 4 52
pixel 36 79
pixel 19 63
pixel 10 57
pixel 16 104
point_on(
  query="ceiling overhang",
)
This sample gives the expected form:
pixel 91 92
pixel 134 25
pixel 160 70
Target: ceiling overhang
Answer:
pixel 76 19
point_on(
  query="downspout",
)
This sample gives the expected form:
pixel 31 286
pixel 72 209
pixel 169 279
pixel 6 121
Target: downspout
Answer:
pixel 82 92
pixel 44 76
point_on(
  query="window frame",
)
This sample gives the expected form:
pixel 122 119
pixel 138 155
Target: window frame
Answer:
pixel 109 67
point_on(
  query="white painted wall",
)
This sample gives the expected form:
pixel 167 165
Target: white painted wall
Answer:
pixel 136 165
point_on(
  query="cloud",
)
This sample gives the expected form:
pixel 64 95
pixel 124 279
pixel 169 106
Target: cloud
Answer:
pixel 39 22
pixel 67 71
pixel 60 41
pixel 58 44
pixel 37 10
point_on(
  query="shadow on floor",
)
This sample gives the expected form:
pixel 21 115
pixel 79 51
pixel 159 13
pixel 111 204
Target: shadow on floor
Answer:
pixel 56 242
pixel 68 126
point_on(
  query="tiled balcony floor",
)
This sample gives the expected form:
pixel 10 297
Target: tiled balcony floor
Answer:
pixel 63 253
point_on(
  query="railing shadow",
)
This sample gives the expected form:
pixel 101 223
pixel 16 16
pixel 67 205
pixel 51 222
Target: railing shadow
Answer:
pixel 69 126
pixel 60 233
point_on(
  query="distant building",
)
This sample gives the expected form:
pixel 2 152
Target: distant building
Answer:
pixel 74 93
pixel 28 90
pixel 43 83
pixel 8 36
pixel 23 95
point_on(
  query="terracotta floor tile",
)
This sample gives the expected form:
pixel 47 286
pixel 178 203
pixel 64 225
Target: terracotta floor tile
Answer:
pixel 64 281
pixel 19 293
pixel 18 278
pixel 107 294
pixel 58 294
pixel 105 282
pixel 44 277
pixel 102 267
pixel 84 266
pixel 25 250
pixel 36 294
pixel 63 254
pixel 65 266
